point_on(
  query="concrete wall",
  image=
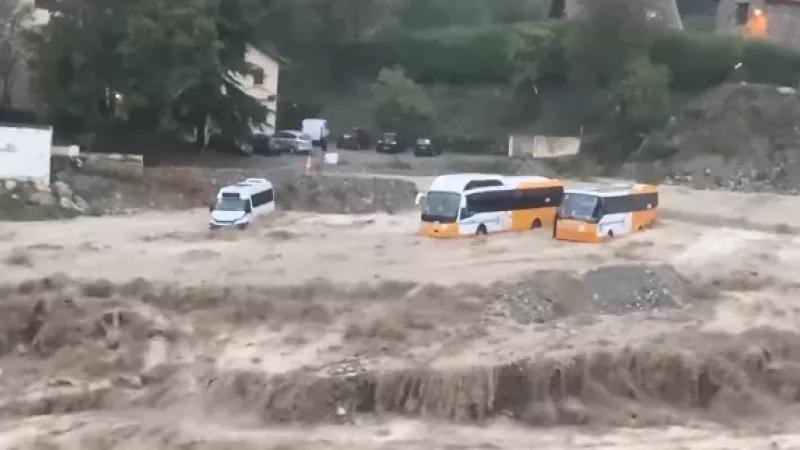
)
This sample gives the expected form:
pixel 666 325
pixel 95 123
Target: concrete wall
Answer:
pixel 783 20
pixel 543 147
pixel 25 153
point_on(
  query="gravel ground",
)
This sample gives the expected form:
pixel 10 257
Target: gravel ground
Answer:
pixel 630 288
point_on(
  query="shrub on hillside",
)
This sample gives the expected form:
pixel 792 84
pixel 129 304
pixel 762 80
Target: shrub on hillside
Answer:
pixel 643 94
pixel 401 105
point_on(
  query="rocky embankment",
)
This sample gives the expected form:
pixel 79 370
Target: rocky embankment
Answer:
pixel 31 201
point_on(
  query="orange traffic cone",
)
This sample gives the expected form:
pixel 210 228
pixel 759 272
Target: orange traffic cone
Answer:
pixel 309 163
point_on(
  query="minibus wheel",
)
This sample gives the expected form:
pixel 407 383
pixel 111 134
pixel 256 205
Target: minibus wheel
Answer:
pixel 481 230
pixel 610 233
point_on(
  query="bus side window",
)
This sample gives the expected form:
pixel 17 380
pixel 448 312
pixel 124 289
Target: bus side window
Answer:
pixel 465 213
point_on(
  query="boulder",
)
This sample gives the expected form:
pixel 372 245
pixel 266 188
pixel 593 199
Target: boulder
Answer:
pixel 66 203
pixel 63 189
pixel 81 205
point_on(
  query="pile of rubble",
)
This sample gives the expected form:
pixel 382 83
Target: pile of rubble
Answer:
pixel 548 295
pixel 32 201
pixel 736 137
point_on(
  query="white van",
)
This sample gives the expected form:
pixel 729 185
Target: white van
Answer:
pixel 239 204
pixel 317 129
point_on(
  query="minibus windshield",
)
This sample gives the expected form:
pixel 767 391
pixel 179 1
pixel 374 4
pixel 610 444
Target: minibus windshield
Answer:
pixel 441 207
pixel 231 204
pixel 579 207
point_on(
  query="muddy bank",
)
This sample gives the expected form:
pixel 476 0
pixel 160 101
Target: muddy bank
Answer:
pixel 686 376
pixel 186 188
pixel 323 352
pixel 740 137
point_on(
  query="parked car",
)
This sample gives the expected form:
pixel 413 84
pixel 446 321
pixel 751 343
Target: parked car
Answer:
pixel 291 141
pixel 358 139
pixel 426 147
pixel 222 142
pixel 391 143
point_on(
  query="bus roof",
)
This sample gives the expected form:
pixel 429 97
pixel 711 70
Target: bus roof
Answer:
pixel 615 190
pixel 247 187
pixel 458 182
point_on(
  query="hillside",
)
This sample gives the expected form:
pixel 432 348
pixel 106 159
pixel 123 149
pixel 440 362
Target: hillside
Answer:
pixel 738 137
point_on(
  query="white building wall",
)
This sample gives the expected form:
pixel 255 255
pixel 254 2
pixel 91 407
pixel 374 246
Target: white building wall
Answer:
pixel 267 92
pixel 25 153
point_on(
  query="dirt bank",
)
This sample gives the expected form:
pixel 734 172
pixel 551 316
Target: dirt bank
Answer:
pixel 735 137
pixel 76 193
pixel 326 352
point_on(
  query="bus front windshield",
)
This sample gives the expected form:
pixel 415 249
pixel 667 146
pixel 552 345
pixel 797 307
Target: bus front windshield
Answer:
pixel 579 207
pixel 231 204
pixel 441 207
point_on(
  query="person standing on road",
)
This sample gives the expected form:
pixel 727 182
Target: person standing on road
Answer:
pixel 323 140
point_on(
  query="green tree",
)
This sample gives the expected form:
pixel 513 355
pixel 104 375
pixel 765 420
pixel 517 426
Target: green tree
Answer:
pixel 608 35
pixel 12 20
pixel 401 105
pixel 642 97
pixel 155 55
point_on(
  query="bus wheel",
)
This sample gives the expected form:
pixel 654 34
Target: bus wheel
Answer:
pixel 641 228
pixel 536 224
pixel 610 234
pixel 481 230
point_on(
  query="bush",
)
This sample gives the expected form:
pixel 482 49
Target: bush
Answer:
pixel 469 145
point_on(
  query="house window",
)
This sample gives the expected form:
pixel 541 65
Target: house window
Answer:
pixel 742 13
pixel 258 77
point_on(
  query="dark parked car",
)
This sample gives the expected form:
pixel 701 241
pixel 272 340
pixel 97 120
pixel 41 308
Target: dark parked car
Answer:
pixel 391 143
pixel 358 139
pixel 244 146
pixel 426 147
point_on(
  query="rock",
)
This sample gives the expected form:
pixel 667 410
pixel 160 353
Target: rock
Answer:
pixel 10 185
pixel 42 198
pixel 66 203
pixel 82 205
pixel 63 189
pixel 131 381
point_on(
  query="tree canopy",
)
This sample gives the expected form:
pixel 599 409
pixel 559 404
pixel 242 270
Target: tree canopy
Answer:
pixel 153 56
pixel 12 20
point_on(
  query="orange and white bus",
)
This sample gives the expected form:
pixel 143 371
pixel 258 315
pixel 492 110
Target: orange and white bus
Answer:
pixel 599 213
pixel 475 204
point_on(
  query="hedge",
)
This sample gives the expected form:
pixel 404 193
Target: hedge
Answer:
pixel 481 55
pixel 452 56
